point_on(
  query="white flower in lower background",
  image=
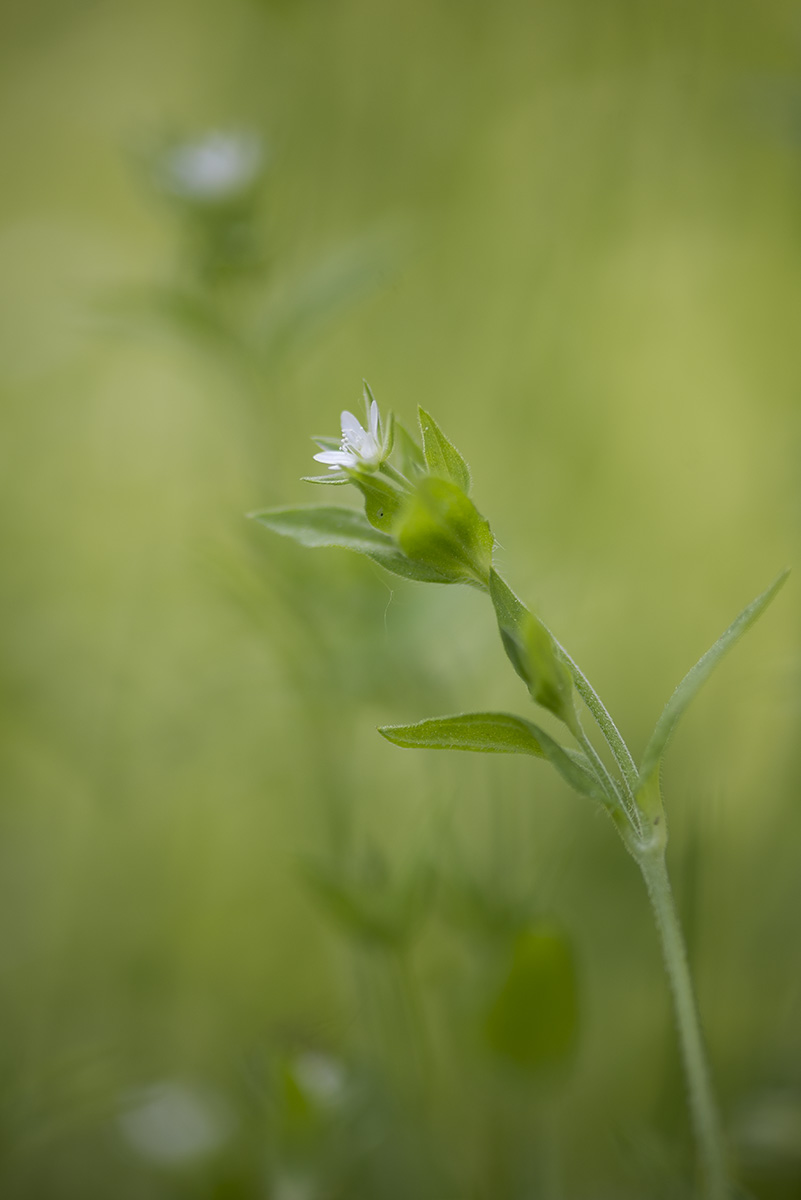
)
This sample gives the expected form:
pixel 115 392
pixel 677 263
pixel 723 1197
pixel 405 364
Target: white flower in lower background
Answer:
pixel 173 1123
pixel 360 448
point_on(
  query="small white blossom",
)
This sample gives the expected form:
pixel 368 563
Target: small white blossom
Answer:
pixel 214 168
pixel 360 448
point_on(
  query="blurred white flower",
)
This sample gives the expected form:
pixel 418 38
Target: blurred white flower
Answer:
pixel 322 1078
pixel 171 1123
pixel 293 1186
pixel 360 448
pixel 215 168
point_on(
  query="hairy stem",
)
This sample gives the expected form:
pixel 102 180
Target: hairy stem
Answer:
pixel 703 1109
pixel 612 736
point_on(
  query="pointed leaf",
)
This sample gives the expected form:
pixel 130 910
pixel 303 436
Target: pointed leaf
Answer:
pixel 442 457
pixel 496 733
pixel 698 675
pixel 533 653
pixel 490 733
pixel 348 529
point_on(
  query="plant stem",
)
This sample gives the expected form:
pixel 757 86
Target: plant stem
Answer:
pixel 614 741
pixel 703 1109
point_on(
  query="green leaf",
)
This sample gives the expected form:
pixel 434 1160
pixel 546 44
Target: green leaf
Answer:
pixel 533 653
pixel 444 530
pixel 510 613
pixel 490 733
pixel 532 1020
pixel 349 530
pixel 496 733
pixel 697 676
pixel 442 457
pixel 382 501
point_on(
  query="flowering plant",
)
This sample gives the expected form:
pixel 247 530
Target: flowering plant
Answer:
pixel 419 522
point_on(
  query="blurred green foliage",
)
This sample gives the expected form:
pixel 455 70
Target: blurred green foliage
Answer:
pixel 573 230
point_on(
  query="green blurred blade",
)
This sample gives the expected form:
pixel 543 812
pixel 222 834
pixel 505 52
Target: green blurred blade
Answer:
pixel 442 457
pixel 348 529
pixel 490 733
pixel 698 675
pixel 532 1020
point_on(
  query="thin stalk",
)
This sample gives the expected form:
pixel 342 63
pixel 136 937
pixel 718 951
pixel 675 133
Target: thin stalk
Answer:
pixel 612 735
pixel 703 1109
pixel 606 781
pixel 395 475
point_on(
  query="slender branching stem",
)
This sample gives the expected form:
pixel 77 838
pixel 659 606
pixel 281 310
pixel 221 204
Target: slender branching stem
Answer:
pixel 703 1109
pixel 609 785
pixel 619 749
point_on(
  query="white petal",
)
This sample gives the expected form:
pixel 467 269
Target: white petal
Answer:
pixel 336 458
pixel 352 430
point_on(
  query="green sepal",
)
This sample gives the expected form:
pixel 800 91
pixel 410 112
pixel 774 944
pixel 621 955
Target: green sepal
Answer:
pixel 442 457
pixel 328 443
pixel 689 687
pixel 408 454
pixel 533 653
pixel 382 501
pixel 532 1020
pixel 350 530
pixel 441 528
pixel 325 479
pixel 496 733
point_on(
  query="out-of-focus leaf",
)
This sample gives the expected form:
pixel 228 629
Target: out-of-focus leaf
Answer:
pixel 697 676
pixel 348 529
pixel 532 1021
pixel 441 528
pixel 378 911
pixel 490 733
pixel 442 457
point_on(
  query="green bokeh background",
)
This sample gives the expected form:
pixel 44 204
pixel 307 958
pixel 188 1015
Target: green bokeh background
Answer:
pixel 571 230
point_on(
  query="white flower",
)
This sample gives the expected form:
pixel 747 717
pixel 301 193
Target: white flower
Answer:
pixel 214 168
pixel 363 449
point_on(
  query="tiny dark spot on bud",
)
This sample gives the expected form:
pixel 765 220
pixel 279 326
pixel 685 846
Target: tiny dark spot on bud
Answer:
pixel 656 820
pixel 380 513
